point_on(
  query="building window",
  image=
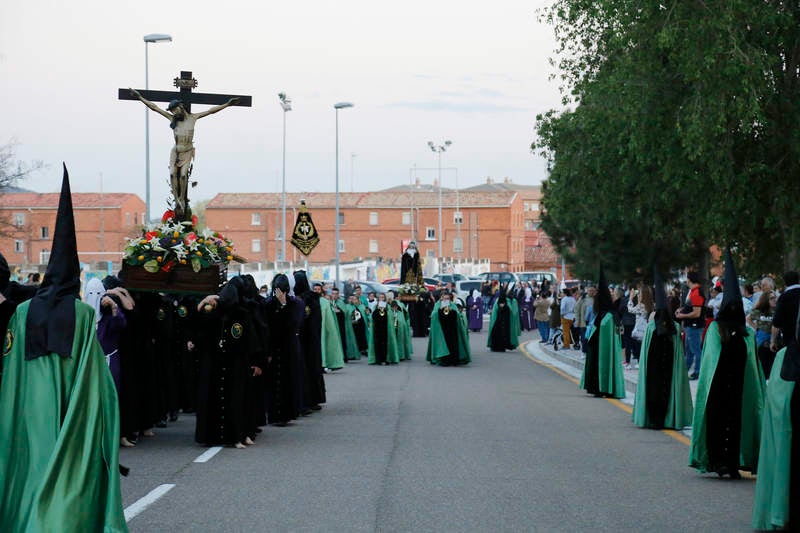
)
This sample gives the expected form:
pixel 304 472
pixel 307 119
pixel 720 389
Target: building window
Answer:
pixel 19 219
pixel 136 219
pixel 255 219
pixel 430 233
pixel 256 245
pixel 45 232
pixel 341 217
pixel 341 246
pixel 431 253
pixel 127 219
pixel 526 206
pixel 279 234
pixel 19 246
pixel 373 246
pixel 534 206
pixel 44 257
pixel 458 217
pixel 458 245
pixel 373 219
pixel 407 218
pixel 529 225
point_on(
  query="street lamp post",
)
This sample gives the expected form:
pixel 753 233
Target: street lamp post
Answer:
pixel 439 149
pixel 149 38
pixel 286 104
pixel 337 107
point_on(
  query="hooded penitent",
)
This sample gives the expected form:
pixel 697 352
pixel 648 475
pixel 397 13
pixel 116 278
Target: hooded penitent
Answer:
pixel 301 285
pixel 51 316
pixel 730 393
pixel 663 397
pixel 603 303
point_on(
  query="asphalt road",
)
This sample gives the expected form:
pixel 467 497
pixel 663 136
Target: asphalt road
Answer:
pixel 504 444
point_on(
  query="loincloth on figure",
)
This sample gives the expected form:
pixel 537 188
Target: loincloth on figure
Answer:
pixel 180 159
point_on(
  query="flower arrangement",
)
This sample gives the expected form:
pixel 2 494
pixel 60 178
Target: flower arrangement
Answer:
pixel 411 289
pixel 163 246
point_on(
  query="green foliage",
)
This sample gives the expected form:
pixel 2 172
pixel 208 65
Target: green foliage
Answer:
pixel 682 135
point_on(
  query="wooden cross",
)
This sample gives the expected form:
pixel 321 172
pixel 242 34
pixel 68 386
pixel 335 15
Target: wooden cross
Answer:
pixel 186 83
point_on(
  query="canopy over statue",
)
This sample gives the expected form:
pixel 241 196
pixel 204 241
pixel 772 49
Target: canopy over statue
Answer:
pixel 182 122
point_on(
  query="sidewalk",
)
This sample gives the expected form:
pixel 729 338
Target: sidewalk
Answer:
pixel 572 362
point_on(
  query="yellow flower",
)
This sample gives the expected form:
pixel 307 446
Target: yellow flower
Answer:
pixel 198 252
pixel 140 258
pixel 230 258
pixel 159 258
pixel 176 234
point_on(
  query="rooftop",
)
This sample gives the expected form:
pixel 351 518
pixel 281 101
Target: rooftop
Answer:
pixel 80 200
pixel 365 200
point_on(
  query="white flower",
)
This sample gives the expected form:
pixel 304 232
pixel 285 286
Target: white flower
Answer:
pixel 180 251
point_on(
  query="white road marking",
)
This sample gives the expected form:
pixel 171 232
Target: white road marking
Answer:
pixel 146 501
pixel 208 454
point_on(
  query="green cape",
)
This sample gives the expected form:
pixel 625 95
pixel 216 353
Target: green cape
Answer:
pixel 771 507
pixel 332 356
pixel 403 333
pixel 752 403
pixel 609 359
pixel 60 432
pixel 679 409
pixel 392 352
pixel 352 353
pixel 513 317
pixel 437 346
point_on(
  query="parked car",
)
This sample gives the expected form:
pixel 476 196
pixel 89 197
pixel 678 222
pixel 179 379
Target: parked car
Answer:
pixel 502 277
pixel 373 286
pixel 465 287
pixel 449 278
pixel 537 277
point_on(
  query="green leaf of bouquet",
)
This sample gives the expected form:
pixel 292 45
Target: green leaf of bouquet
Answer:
pixel 196 265
pixel 151 266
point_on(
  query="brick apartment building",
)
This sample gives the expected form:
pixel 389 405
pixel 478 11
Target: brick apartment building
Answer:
pixel 102 222
pixel 539 253
pixel 491 221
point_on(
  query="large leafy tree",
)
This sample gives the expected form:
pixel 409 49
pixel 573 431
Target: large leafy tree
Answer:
pixel 677 136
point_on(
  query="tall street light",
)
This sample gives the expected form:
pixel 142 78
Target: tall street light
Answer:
pixel 439 149
pixel 149 38
pixel 337 107
pixel 286 104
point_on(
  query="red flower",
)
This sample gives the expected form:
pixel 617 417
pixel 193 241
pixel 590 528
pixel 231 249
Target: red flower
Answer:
pixel 169 214
pixel 150 235
pixel 194 221
pixel 168 265
pixel 190 237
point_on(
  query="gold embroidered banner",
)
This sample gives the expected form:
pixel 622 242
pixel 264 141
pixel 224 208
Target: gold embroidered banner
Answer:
pixel 304 237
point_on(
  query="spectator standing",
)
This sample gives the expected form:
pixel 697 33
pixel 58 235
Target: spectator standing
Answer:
pixel 580 319
pixel 760 319
pixel 555 316
pixel 640 306
pixel 628 322
pixel 567 316
pixel 693 323
pixel 785 319
pixel 541 314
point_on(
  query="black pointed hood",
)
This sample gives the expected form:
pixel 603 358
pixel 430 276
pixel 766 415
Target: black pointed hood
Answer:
pixel 665 325
pixel 603 302
pixel 51 316
pixel 731 311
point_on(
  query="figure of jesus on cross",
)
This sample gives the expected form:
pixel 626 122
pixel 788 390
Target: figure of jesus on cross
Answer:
pixel 180 160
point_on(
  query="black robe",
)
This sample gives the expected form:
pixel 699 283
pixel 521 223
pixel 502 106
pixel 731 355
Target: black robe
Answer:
pixel 660 361
pixel 723 411
pixel 380 339
pixel 449 324
pixel 226 354
pixel 309 316
pixel 420 314
pixel 360 330
pixel 283 353
pixel 500 335
pixel 138 395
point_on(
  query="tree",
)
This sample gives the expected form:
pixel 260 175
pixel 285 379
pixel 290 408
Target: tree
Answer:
pixel 678 136
pixel 11 172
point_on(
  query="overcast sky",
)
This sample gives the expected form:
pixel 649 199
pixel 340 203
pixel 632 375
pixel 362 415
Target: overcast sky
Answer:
pixel 475 73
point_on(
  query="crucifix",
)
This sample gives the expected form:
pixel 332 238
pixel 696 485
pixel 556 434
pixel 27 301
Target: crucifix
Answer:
pixel 182 121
